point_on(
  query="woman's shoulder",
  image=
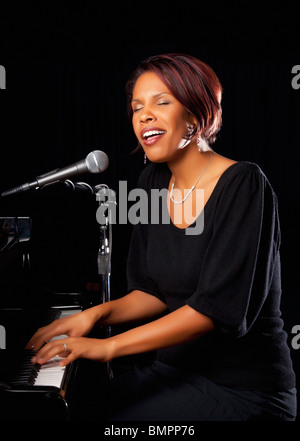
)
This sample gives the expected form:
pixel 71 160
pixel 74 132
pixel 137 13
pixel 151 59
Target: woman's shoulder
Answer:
pixel 247 177
pixel 239 170
pixel 229 166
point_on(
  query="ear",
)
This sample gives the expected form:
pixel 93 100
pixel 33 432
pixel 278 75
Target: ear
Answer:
pixel 192 121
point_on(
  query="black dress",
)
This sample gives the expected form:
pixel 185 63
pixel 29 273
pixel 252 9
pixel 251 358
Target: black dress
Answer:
pixel 231 273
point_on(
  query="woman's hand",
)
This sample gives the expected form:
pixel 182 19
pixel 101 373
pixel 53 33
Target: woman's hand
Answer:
pixel 77 325
pixel 134 306
pixel 73 348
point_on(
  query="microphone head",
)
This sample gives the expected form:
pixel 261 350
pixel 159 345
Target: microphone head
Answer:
pixel 97 161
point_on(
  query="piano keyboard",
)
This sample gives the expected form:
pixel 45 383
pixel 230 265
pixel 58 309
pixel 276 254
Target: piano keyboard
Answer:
pixel 33 392
pixel 48 374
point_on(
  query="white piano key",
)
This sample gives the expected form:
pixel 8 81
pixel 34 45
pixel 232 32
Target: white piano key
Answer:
pixel 50 373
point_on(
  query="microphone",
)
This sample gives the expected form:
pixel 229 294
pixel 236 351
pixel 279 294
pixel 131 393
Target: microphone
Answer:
pixel 95 162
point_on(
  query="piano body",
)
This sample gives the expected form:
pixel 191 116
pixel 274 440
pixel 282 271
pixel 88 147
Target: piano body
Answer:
pixel 29 392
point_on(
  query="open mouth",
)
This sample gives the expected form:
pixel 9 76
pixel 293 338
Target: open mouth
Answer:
pixel 152 133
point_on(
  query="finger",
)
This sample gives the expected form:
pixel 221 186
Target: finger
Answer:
pixel 35 345
pixel 45 334
pixel 71 357
pixel 38 340
pixel 49 351
pixel 35 342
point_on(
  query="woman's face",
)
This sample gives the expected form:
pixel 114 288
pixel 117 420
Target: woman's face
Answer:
pixel 159 120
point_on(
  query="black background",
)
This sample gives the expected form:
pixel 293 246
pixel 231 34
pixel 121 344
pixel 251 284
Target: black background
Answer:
pixel 66 69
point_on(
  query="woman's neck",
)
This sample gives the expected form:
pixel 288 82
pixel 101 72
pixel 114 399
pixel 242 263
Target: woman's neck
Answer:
pixel 186 168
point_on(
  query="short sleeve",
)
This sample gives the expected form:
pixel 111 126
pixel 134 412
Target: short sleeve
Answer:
pixel 238 266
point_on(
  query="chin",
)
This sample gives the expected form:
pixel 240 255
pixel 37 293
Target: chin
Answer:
pixel 157 160
pixel 159 157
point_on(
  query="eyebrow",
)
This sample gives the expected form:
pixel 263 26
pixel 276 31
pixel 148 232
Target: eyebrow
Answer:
pixel 153 96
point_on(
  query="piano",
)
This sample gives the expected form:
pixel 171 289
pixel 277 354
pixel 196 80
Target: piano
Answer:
pixel 29 392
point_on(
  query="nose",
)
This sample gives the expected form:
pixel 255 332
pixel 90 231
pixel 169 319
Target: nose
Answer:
pixel 147 115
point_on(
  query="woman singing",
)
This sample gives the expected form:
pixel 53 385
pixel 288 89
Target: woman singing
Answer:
pixel 209 292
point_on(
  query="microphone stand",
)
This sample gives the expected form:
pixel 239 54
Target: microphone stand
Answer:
pixel 106 198
pixel 104 253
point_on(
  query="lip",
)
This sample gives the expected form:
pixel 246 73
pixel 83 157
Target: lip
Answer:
pixel 154 138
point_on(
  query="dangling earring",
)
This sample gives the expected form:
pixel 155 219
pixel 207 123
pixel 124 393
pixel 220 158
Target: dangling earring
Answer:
pixel 200 143
pixel 185 141
pixel 145 158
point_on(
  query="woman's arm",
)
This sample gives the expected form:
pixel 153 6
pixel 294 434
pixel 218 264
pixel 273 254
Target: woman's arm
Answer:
pixel 135 306
pixel 180 326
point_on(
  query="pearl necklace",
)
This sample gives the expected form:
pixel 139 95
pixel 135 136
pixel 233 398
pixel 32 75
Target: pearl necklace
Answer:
pixel 193 187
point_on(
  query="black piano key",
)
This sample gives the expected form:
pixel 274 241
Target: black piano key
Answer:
pixel 24 371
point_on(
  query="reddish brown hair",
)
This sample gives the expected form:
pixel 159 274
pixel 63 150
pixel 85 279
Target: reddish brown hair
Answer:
pixel 192 82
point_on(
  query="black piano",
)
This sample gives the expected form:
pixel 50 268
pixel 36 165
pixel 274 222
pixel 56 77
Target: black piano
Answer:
pixel 30 392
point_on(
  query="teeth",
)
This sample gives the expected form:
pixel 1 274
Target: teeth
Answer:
pixel 152 133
